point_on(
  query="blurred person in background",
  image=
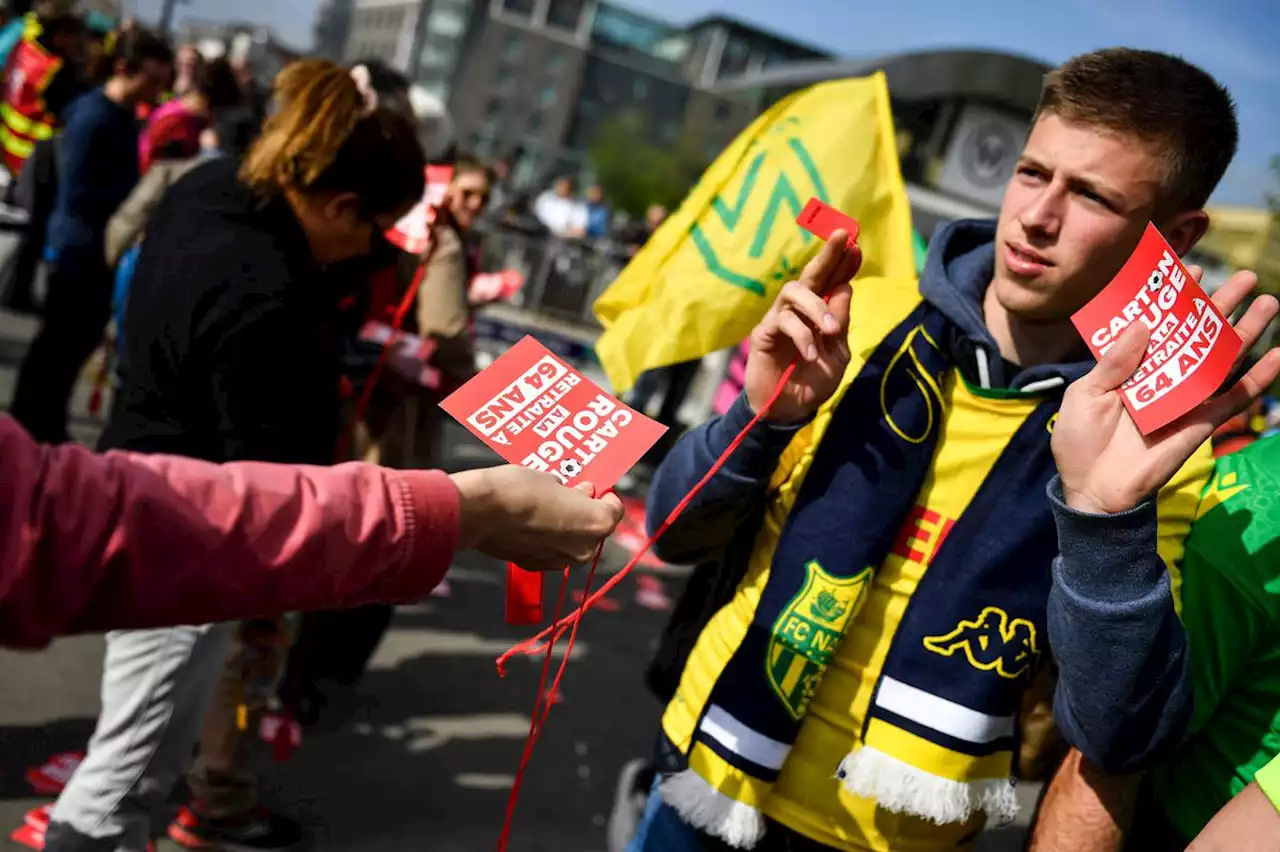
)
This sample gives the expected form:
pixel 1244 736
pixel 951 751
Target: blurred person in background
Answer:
pixel 187 66
pixel 673 381
pixel 231 353
pixel 256 97
pixel 503 191
pixel 44 72
pixel 636 234
pixel 97 166
pixel 173 130
pixel 598 213
pixel 560 211
pixel 444 308
pixel 400 428
pixel 175 139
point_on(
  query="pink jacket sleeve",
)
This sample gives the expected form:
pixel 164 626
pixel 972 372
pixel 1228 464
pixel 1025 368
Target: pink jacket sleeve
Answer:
pixel 94 542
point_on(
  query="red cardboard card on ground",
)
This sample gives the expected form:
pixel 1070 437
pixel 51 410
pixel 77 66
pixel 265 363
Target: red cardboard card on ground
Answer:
pixel 1192 348
pixel 535 410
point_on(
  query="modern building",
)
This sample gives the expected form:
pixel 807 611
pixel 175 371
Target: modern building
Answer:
pixel 537 80
pixel 961 117
pixel 333 24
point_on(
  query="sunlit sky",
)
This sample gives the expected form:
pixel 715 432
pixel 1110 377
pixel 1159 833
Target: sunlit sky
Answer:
pixel 1235 40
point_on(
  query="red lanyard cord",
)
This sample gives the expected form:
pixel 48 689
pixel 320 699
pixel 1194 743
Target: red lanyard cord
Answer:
pixel 397 322
pixel 571 621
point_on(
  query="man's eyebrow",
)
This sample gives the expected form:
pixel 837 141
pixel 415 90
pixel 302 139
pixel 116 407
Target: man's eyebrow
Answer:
pixel 1098 187
pixel 1089 183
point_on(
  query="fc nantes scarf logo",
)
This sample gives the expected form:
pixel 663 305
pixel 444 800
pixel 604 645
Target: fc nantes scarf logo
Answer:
pixel 808 631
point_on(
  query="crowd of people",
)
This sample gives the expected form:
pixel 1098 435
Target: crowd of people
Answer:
pixel 166 168
pixel 928 500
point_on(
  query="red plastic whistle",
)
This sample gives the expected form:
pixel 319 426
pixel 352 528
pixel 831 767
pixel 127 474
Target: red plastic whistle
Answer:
pixel 822 220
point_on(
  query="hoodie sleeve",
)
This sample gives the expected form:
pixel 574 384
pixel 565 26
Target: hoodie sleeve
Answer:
pixel 1124 695
pixel 120 541
pixel 709 522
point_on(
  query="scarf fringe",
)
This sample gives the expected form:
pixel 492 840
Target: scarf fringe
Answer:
pixel 707 809
pixel 902 788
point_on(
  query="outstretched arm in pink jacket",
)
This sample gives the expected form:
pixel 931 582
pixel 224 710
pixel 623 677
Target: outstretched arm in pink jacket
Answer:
pixel 90 542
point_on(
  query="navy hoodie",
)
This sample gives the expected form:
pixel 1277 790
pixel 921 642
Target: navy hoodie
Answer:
pixel 1124 696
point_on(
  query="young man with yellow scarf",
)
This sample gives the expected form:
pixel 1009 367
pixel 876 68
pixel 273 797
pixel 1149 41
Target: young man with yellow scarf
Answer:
pixel 903 571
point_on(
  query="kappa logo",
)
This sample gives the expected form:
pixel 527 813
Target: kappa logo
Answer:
pixel 781 175
pixel 992 643
pixel 808 631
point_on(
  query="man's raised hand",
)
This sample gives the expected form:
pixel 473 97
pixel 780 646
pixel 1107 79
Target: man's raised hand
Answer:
pixel 1106 464
pixel 804 329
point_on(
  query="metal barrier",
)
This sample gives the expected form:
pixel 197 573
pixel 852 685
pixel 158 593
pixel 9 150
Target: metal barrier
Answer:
pixel 563 278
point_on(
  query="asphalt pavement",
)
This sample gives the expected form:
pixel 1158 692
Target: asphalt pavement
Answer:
pixel 436 739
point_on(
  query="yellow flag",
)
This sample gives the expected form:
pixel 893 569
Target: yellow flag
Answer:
pixel 712 270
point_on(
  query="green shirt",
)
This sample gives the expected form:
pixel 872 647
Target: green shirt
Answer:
pixel 1229 596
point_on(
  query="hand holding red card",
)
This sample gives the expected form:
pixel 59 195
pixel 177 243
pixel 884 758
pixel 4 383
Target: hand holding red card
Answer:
pixel 536 411
pixel 1191 347
pixel 1115 441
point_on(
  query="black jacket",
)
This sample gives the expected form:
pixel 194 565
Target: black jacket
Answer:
pixel 232 337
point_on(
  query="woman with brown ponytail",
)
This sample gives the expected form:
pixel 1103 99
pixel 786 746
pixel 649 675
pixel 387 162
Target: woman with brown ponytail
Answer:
pixel 231 353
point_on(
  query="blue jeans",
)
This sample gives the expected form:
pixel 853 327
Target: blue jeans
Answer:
pixel 662 830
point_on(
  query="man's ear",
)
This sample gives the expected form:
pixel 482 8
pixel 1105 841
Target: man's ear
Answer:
pixel 1184 230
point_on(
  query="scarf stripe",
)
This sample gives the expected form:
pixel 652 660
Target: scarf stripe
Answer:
pixel 922 729
pixel 941 715
pixel 722 728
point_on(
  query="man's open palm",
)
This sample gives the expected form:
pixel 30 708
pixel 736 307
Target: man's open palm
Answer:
pixel 1107 465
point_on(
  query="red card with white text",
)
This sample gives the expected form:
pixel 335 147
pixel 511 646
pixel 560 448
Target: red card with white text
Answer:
pixel 537 411
pixel 1193 348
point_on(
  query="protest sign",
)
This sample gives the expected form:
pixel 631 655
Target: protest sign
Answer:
pixel 537 411
pixel 1192 347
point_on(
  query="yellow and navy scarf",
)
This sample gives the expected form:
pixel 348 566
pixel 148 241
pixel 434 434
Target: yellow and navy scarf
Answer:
pixel 863 481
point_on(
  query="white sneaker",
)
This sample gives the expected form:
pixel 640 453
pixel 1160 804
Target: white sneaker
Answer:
pixel 628 806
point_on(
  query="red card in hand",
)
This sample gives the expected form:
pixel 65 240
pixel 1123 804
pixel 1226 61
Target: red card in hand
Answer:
pixel 535 410
pixel 1192 347
pixel 822 220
